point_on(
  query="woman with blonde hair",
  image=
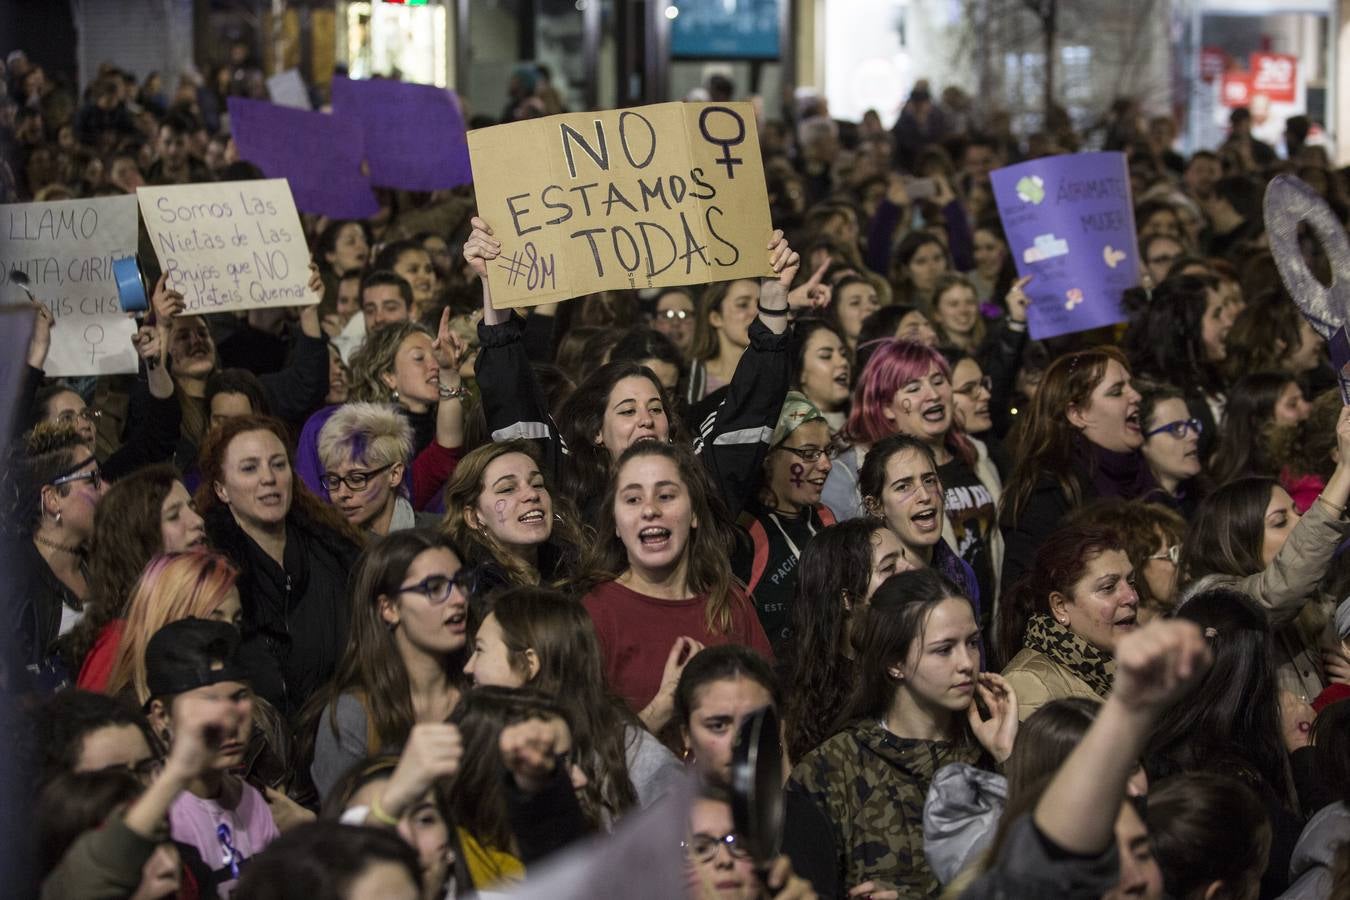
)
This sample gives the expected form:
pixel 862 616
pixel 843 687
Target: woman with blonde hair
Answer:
pixel 513 529
pixel 365 449
pixel 192 585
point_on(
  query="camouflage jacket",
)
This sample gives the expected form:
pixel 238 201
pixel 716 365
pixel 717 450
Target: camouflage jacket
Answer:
pixel 871 786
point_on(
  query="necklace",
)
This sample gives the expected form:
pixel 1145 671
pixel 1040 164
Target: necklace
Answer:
pixel 53 545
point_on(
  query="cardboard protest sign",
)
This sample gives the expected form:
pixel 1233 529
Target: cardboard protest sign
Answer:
pixel 319 155
pixel 1070 224
pixel 66 249
pixel 414 133
pixel 653 196
pixel 229 245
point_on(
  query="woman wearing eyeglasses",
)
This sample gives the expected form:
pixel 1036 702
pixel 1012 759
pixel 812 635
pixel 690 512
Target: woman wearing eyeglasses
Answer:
pixel 719 863
pixel 1171 447
pixel 404 660
pixel 57 486
pixel 155 437
pixel 1180 338
pixel 401 366
pixel 974 402
pixel 785 514
pixel 674 317
pixel 364 449
pixel 293 553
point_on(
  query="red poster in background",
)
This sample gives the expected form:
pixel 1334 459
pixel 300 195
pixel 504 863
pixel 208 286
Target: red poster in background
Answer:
pixel 1213 62
pixel 1275 75
pixel 1236 88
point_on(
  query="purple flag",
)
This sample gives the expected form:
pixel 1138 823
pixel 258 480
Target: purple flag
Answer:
pixel 414 132
pixel 1070 224
pixel 320 155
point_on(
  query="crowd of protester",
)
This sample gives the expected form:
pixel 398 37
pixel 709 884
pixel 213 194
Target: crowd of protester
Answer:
pixel 400 594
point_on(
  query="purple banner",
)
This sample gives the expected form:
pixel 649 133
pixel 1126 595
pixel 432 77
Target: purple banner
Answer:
pixel 414 132
pixel 1070 225
pixel 319 155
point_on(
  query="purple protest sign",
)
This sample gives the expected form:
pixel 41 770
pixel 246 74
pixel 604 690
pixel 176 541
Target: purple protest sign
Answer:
pixel 414 132
pixel 319 155
pixel 1070 224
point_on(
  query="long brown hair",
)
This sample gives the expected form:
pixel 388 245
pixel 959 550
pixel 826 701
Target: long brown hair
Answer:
pixel 895 619
pixel 211 462
pixel 462 493
pixel 704 345
pixel 127 534
pixel 571 671
pixel 371 666
pixel 709 566
pixel 1047 440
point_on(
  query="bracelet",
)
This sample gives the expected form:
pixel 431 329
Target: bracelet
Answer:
pixel 772 313
pixel 379 815
pixel 455 393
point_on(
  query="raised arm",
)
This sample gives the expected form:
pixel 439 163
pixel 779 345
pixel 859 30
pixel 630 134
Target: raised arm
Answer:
pixel 1291 579
pixel 513 403
pixel 733 439
pixel 1154 666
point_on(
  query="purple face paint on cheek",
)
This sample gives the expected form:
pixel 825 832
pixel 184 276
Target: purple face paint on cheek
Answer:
pixel 500 507
pixel 797 471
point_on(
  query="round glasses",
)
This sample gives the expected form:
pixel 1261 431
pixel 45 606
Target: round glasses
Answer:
pixel 703 847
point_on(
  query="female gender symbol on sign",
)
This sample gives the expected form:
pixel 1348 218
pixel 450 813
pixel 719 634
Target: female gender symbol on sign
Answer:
pixel 93 336
pixel 726 143
pixel 1289 204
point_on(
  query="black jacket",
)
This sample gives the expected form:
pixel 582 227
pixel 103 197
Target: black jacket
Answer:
pixel 299 614
pixel 731 441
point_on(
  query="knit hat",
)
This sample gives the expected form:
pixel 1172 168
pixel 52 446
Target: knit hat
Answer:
pixel 796 412
pixel 192 653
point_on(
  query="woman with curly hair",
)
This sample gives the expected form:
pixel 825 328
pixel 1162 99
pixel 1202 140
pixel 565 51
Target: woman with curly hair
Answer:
pixel 511 527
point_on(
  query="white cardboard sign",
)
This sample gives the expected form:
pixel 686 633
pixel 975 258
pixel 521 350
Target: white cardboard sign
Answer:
pixel 231 245
pixel 66 249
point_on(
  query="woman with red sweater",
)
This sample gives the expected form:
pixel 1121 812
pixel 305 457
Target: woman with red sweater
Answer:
pixel 662 587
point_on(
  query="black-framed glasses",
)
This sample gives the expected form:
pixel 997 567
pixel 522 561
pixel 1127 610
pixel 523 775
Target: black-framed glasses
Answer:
pixel 805 454
pixel 355 481
pixel 703 847
pixel 94 476
pixel 438 588
pixel 968 390
pixel 90 414
pixel 1179 429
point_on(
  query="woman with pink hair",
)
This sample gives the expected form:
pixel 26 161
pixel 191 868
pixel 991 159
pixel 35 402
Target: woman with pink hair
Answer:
pixel 906 388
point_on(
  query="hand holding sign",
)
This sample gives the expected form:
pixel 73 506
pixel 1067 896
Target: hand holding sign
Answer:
pixel 655 196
